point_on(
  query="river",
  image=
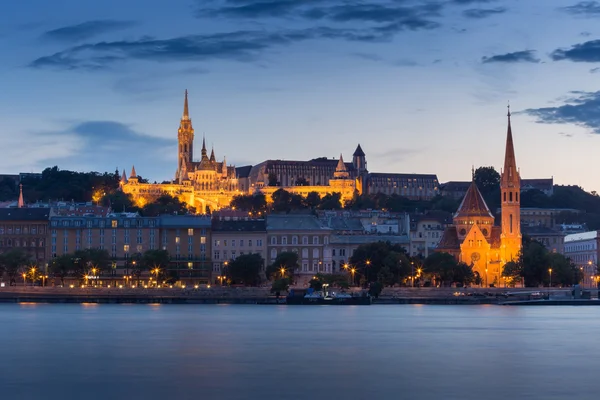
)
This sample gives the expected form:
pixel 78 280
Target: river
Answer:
pixel 298 352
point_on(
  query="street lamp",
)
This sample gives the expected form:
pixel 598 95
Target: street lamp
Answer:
pixel 550 274
pixel 412 273
pixel 24 276
pixel 282 270
pixel 353 270
pixel 156 271
pixel 368 264
pixel 486 278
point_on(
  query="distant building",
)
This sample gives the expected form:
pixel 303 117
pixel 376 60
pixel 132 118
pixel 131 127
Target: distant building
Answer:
pixel 304 235
pixel 426 231
pixel 537 216
pixel 553 239
pixel 233 238
pixel 25 229
pixel 584 251
pixel 457 189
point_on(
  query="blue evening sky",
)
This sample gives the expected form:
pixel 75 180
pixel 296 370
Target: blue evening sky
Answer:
pixel 422 85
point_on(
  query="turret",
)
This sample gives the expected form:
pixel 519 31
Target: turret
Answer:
pixel 359 160
pixel 185 137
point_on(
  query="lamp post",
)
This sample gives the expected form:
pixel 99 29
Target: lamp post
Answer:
pixel 282 270
pixel 486 278
pixel 419 275
pixel 368 264
pixel 24 281
pixel 353 270
pixel 412 273
pixel 550 274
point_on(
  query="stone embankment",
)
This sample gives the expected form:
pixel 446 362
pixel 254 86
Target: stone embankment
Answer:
pixel 237 295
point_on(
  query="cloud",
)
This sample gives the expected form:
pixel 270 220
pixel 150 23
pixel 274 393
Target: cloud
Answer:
pixel 469 2
pixel 565 134
pixel 377 58
pixel 515 57
pixel 244 46
pixel 253 8
pixel 585 8
pixel 583 52
pixel 582 110
pixel 99 144
pixel 480 13
pixel 595 70
pixel 86 30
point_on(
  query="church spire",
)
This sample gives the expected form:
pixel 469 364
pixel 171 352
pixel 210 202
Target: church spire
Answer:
pixel 203 147
pixel 124 177
pixel 21 203
pixel 186 112
pixel 510 174
pixel 212 155
pixel 133 173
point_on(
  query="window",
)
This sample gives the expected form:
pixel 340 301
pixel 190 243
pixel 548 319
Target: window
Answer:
pixel 216 254
pixel 273 254
pixel 217 243
pixel 191 232
pixel 126 224
pixel 259 242
pixel 304 253
pixel 249 242
pixel 294 239
pixel 233 254
pixel 315 240
pixel 89 224
pixel 315 253
pixel 177 239
pixel 126 248
pixel 190 248
pixel 232 242
pixel 203 240
pixel 510 196
pixel 333 252
pixel 225 242
pixel 113 224
pixel 241 242
pixel 139 248
pixel 191 265
pixel 273 240
pixel 190 239
pixel 326 239
pixel 304 239
pixel 284 240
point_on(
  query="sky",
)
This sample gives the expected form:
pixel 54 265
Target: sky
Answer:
pixel 423 86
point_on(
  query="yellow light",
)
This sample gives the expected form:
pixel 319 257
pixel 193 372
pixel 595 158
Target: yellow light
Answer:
pixel 195 286
pixel 208 286
pixel 120 286
pixel 183 286
pixel 71 286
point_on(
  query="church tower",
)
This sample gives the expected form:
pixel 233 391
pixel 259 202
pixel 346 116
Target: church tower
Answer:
pixel 185 138
pixel 510 191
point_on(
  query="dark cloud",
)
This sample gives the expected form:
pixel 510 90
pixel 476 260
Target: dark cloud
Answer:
pixel 253 8
pixel 583 110
pixel 86 30
pixel 515 57
pixel 102 143
pixel 585 8
pixel 239 46
pixel 583 52
pixel 595 70
pixel 378 58
pixel 480 13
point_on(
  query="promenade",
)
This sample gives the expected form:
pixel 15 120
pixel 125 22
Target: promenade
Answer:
pixel 252 295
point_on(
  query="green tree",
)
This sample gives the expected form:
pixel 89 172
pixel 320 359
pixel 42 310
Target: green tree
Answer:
pixel 369 260
pixel 286 261
pixel 61 267
pixel 13 261
pixel 313 200
pixel 156 262
pixel 331 201
pixel 167 205
pixel 92 258
pixel 245 269
pixel 512 273
pixel 255 204
pixel 441 266
pixel 137 266
pixel 281 285
pixel 119 202
pixel 487 179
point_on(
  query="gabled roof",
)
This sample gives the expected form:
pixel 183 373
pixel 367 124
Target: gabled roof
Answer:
pixel 449 240
pixel 473 204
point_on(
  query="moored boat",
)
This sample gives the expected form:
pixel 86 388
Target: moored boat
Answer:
pixel 326 296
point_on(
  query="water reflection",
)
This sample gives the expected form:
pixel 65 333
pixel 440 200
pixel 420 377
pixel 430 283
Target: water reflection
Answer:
pixel 246 352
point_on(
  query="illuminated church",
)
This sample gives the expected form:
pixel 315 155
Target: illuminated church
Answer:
pixel 208 184
pixel 474 239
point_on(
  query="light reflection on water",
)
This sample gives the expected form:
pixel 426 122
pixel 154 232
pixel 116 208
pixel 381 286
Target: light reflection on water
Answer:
pixel 276 352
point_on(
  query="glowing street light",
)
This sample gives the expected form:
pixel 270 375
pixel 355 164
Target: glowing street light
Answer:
pixel 550 274
pixel 282 270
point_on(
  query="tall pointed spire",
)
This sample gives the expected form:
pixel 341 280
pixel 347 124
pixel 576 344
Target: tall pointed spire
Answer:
pixel 133 173
pixel 186 111
pixel 212 155
pixel 21 202
pixel 203 147
pixel 341 167
pixel 124 177
pixel 510 172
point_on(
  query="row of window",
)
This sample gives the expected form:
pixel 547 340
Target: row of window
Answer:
pixel 224 256
pixel 21 242
pixel 303 254
pixel 102 223
pixel 234 243
pixel 284 240
pixel 18 230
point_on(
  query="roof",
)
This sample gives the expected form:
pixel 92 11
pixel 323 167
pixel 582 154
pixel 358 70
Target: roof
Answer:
pixel 252 225
pixel 294 222
pixel 442 217
pixel 540 231
pixel 359 152
pixel 496 237
pixel 184 221
pixel 24 214
pixel 541 184
pixel 576 237
pixel 401 176
pixel 449 239
pixel 243 172
pixel 456 186
pixel 473 204
pixel 340 223
pixel 364 239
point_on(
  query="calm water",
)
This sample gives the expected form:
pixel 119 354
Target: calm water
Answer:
pixel 269 352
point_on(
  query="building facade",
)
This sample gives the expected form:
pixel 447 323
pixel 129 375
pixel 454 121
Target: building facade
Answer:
pixel 304 235
pixel 25 229
pixel 583 249
pixel 473 238
pixel 233 238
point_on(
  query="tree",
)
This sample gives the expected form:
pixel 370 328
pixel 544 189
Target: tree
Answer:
pixel 487 179
pixel 285 265
pixel 281 285
pixel 13 261
pixel 119 201
pixel 313 200
pixel 245 269
pixel 380 261
pixel 512 273
pixel 156 262
pixel 284 201
pixel 61 267
pixel 255 204
pixel 137 266
pixel 165 204
pixel 441 266
pixel 89 259
pixel 331 201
